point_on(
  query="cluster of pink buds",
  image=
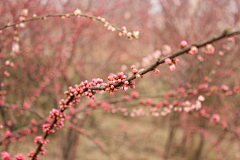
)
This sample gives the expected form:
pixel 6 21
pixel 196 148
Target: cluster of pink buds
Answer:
pixel 43 151
pixel 81 90
pixel 214 118
pixel 47 128
pixel 106 24
pixel 110 88
pixel 60 117
pixel 135 34
pixel 137 72
pixel 172 63
pixel 31 154
pixel 187 106
pixel 19 156
pixel 9 63
pixel 22 18
pixel 101 19
pixel 109 26
pixel 38 140
pixel 5 155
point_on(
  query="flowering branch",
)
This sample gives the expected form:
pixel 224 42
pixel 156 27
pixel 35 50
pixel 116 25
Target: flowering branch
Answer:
pixel 87 89
pixel 112 27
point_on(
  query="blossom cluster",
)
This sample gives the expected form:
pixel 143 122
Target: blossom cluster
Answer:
pixel 59 116
pixel 172 63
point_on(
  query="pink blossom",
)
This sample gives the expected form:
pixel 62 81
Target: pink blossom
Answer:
pixel 223 125
pixel 168 61
pixel 120 74
pixel 5 155
pixel 193 50
pixel 31 154
pixel 46 127
pixel 156 71
pixel 95 141
pixel 112 87
pixel 133 66
pixel 138 76
pixel 19 156
pixel 235 89
pixel 183 44
pixel 215 118
pixel 177 61
pixel 224 87
pixel 43 151
pixel 201 98
pixel 134 94
pixel 210 49
pixel 24 12
pixel 54 113
pixel 126 82
pixel 77 12
pixel 172 67
pixel 202 112
pixel 38 139
pixel 221 53
pixel 134 70
pixel 8 133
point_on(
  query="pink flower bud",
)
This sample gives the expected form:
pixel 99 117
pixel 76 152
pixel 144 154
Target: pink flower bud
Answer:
pixel 133 66
pixel 210 49
pixel 138 76
pixel 134 70
pixel 115 76
pixel 168 61
pixel 177 61
pixel 224 87
pixel 19 156
pixel 135 94
pixel 5 155
pixel 223 125
pixel 183 44
pixel 126 82
pixel 215 118
pixel 172 67
pixel 193 50
pixel 109 78
pixel 156 71
pixel 120 74
pixel 77 12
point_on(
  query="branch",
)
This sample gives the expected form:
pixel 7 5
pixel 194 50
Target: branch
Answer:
pixel 72 97
pixel 225 34
pixel 123 31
